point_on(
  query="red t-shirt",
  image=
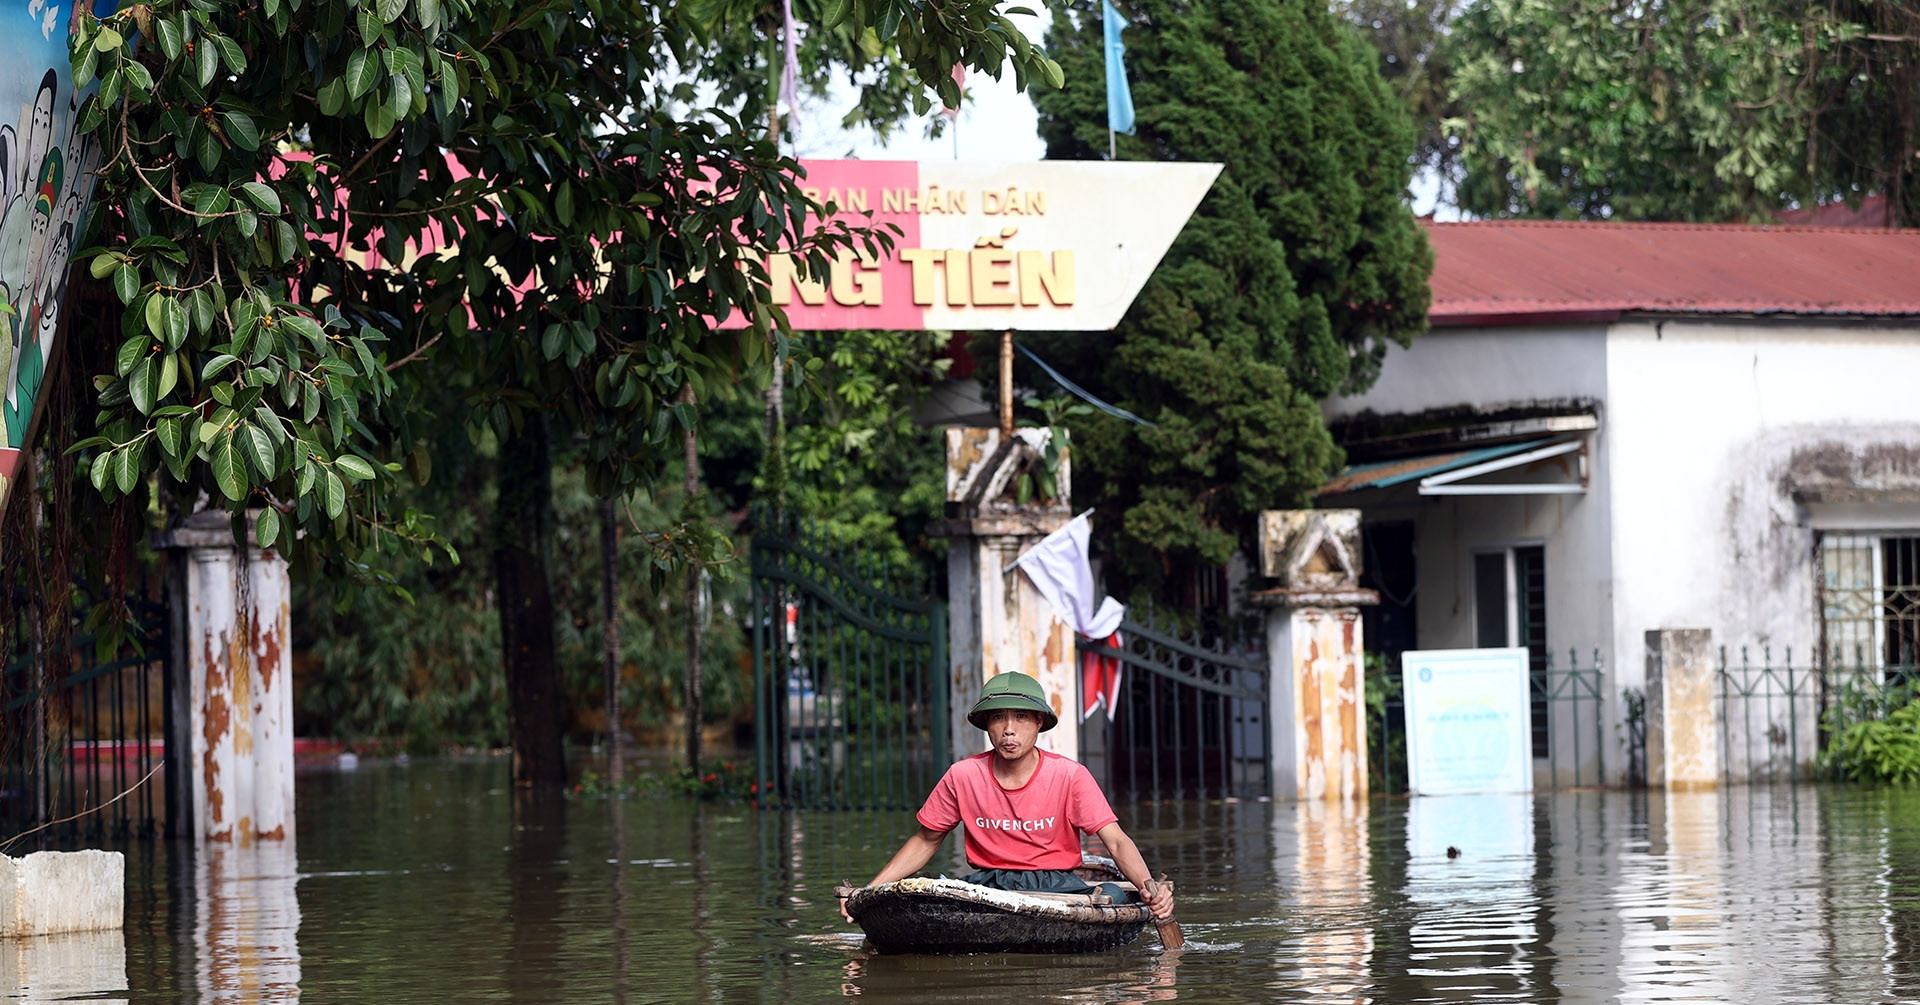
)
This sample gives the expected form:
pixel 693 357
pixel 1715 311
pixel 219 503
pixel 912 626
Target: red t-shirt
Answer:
pixel 1035 826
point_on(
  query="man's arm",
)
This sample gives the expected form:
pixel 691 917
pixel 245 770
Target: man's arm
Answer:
pixel 1126 855
pixel 914 854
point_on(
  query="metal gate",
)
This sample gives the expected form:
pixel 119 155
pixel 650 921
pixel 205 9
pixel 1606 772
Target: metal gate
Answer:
pixel 850 701
pixel 80 750
pixel 1191 721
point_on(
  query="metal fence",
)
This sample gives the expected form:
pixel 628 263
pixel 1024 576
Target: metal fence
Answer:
pixel 1779 718
pixel 1192 716
pixel 82 740
pixel 1569 696
pixel 849 690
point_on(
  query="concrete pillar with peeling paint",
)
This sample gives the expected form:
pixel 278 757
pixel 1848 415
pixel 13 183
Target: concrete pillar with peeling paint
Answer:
pixel 1683 722
pixel 231 723
pixel 1317 681
pixel 997 621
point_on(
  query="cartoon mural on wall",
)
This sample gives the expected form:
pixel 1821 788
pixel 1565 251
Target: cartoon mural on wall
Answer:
pixel 45 183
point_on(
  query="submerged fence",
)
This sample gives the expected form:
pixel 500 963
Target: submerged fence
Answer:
pixel 81 739
pixel 1780 718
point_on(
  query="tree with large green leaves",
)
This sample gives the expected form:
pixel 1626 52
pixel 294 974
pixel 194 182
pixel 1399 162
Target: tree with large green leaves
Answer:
pixel 1298 270
pixel 1689 110
pixel 333 225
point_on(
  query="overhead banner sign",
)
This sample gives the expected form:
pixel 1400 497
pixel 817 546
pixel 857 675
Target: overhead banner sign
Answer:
pixel 45 181
pixel 1032 246
pixel 1469 720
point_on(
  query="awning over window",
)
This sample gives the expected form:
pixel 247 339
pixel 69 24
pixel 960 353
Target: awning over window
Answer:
pixel 1443 473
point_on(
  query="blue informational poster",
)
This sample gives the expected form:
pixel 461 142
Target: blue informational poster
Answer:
pixel 1469 721
pixel 45 182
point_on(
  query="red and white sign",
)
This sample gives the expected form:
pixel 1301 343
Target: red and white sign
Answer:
pixel 1042 245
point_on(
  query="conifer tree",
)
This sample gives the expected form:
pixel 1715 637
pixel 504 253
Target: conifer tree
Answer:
pixel 1301 266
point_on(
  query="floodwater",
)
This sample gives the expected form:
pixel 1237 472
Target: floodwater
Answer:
pixel 428 883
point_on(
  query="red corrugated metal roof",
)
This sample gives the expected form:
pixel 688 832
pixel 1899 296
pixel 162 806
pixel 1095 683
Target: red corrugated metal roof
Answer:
pixel 1529 271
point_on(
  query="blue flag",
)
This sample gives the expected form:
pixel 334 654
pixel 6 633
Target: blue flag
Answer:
pixel 1119 98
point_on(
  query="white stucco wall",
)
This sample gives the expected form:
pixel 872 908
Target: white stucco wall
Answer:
pixel 1484 367
pixel 1711 430
pixel 1708 430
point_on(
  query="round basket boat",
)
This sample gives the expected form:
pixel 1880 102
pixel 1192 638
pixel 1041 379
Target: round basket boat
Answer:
pixel 920 915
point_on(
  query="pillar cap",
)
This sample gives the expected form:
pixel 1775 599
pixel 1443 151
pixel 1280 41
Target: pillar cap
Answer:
pixel 209 528
pixel 1344 597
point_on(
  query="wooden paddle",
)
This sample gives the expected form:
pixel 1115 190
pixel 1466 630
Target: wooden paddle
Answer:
pixel 1171 937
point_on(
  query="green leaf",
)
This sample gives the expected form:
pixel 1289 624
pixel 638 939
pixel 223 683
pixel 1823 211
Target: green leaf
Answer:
pixel 126 283
pixel 202 307
pixel 379 118
pixel 390 10
pixel 354 467
pixel 257 446
pixel 563 204
pixel 232 55
pixel 169 375
pixel 334 493
pixel 129 353
pixel 332 95
pixel 104 263
pixel 140 385
pixel 428 11
pixel 207 61
pixel 176 317
pixel 305 327
pixel 101 470
pixel 267 529
pixel 107 39
pixel 363 71
pixel 206 150
pixel 215 365
pixel 284 240
pixel 242 131
pixel 156 313
pixel 172 435
pixel 126 468
pixel 261 195
pixel 228 469
pixel 837 11
pixel 401 103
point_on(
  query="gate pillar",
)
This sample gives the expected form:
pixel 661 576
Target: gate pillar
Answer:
pixel 230 719
pixel 1318 680
pixel 1683 727
pixel 997 620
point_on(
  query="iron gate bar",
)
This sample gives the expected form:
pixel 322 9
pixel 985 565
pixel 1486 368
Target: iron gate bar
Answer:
pixel 849 697
pixel 1181 676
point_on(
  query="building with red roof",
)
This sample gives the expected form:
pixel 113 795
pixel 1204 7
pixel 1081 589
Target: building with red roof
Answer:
pixel 1617 428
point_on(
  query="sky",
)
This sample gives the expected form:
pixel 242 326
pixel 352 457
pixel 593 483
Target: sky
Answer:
pixel 997 123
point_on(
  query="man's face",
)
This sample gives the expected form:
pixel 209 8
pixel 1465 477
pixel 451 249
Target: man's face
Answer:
pixel 1013 732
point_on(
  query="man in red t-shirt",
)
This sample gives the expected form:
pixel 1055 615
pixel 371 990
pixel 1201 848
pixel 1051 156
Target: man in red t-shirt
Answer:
pixel 1023 808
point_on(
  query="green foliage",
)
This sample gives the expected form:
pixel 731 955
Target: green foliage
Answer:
pixel 1874 738
pixel 428 674
pixel 1298 270
pixel 268 169
pixel 715 781
pixel 1710 110
pixel 1382 687
pixel 1412 39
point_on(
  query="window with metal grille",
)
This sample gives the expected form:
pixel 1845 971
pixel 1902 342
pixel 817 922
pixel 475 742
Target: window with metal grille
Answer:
pixel 1510 609
pixel 1870 601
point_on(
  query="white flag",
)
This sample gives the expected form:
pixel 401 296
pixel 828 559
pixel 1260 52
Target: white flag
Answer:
pixel 1061 571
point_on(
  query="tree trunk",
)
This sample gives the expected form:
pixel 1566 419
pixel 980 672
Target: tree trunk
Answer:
pixel 694 709
pixel 610 634
pixel 522 557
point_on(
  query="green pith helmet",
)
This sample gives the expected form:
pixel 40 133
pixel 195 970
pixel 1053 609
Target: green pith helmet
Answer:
pixel 1016 691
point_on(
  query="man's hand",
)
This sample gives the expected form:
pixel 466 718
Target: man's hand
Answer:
pixel 1159 899
pixel 843 909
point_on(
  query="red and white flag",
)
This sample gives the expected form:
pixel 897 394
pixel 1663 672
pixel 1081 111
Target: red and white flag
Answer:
pixel 1100 679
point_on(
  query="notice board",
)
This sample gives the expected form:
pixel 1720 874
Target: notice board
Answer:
pixel 1469 720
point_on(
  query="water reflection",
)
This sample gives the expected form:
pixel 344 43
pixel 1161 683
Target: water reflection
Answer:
pixel 246 923
pixel 50 968
pixel 437 885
